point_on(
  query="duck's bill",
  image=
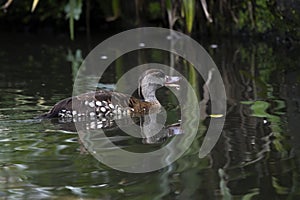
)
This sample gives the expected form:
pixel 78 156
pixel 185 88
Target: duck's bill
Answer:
pixel 172 81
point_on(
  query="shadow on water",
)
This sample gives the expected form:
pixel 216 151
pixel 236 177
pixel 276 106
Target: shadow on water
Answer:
pixel 257 156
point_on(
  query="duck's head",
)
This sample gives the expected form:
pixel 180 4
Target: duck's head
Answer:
pixel 153 79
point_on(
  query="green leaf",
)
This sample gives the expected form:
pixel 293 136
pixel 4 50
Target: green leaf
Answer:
pixel 116 8
pixel 189 11
pixel 247 102
pixel 216 115
pixel 250 195
pixel 204 7
pixel 169 5
pixel 34 4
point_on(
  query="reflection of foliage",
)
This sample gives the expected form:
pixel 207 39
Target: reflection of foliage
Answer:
pixel 223 185
pixel 110 8
pixel 73 11
pixel 259 109
pixel 76 61
pixel 264 65
pixel 262 80
pixel 250 195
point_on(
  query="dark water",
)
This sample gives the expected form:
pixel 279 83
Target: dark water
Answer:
pixel 256 157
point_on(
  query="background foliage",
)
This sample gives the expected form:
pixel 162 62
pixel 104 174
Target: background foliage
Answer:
pixel 227 17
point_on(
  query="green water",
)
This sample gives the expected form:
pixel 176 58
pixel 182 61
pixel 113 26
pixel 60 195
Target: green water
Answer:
pixel 257 156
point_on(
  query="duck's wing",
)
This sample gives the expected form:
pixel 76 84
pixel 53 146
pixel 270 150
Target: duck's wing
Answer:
pixel 65 104
pixel 82 101
pixel 100 102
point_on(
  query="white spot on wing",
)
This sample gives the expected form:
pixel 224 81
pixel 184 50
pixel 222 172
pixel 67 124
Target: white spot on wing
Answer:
pixel 92 114
pixel 92 104
pixel 93 125
pixel 103 109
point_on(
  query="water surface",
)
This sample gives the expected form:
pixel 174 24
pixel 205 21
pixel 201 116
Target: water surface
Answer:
pixel 257 156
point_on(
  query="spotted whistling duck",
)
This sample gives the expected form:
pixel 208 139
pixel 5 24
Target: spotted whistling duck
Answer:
pixel 102 103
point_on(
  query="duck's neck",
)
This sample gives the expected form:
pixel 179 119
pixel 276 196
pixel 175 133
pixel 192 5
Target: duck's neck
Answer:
pixel 149 94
